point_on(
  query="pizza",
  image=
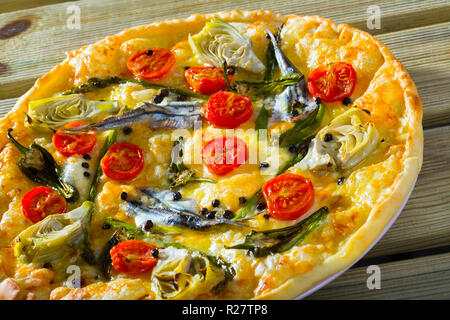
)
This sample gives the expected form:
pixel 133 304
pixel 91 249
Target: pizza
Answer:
pixel 235 155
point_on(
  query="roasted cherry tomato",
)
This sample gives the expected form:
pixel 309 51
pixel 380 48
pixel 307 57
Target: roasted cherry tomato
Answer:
pixel 206 80
pixel 133 257
pixel 222 155
pixel 288 196
pixel 151 63
pixel 332 82
pixel 123 161
pixel 69 144
pixel 41 202
pixel 228 109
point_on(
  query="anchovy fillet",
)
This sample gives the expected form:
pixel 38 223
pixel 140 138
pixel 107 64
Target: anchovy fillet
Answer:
pixel 169 217
pixel 165 197
pixel 165 211
pixel 170 116
pixel 292 95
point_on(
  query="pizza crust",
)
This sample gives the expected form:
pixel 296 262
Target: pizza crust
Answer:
pixel 62 77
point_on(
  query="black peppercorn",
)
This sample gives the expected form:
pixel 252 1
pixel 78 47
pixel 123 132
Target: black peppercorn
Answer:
pixel 148 225
pixel 341 180
pixel 86 174
pixel 263 165
pixel 155 253
pixel 294 113
pixel 149 52
pixel 242 200
pixel 318 101
pixel 327 137
pixel 211 215
pixel 87 157
pixel 158 98
pixel 228 214
pixel 293 149
pixel 47 265
pixel 177 196
pixel 346 101
pixel 106 226
pixel 204 211
pixel 261 206
pixel 266 216
pixel 127 130
pixel 164 93
pixel 123 196
pixel 231 70
pixel 215 203
pixel 85 165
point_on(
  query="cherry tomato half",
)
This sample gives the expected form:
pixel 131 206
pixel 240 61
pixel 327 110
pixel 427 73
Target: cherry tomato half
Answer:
pixel 41 202
pixel 288 196
pixel 228 109
pixel 151 63
pixel 133 257
pixel 69 144
pixel 206 80
pixel 332 82
pixel 123 161
pixel 222 155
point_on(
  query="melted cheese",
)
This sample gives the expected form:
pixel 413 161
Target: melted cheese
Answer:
pixel 308 43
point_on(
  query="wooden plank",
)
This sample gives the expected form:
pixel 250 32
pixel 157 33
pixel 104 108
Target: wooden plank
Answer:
pixel 420 278
pixel 6 105
pixel 424 222
pixel 44 43
pixel 14 5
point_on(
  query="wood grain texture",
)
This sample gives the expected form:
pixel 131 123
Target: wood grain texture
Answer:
pixel 15 5
pixel 420 278
pixel 424 51
pixel 6 105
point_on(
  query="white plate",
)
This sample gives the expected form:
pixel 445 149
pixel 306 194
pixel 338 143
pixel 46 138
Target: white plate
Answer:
pixel 337 274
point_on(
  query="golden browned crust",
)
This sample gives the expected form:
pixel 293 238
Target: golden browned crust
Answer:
pixel 62 77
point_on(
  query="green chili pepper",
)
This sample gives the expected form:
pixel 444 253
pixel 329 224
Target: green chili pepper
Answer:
pixel 38 165
pixel 94 83
pixel 263 243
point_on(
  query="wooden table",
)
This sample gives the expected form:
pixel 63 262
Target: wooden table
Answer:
pixel 414 255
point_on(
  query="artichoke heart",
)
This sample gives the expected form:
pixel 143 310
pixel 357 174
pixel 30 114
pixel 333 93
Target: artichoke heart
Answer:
pixel 182 274
pixel 53 238
pixel 343 144
pixel 219 41
pixel 55 112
